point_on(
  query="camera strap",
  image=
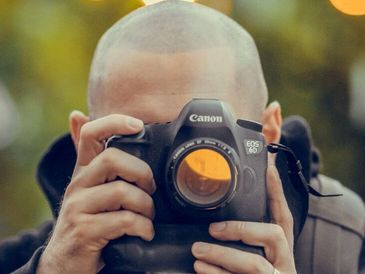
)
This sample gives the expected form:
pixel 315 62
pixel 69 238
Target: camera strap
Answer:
pixel 295 170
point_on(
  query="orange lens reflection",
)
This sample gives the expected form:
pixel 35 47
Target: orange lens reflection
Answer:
pixel 208 163
pixel 204 176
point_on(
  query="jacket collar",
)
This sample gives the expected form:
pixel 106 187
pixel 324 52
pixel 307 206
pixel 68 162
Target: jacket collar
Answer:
pixel 55 170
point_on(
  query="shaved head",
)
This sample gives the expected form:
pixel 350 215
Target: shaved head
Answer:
pixel 159 57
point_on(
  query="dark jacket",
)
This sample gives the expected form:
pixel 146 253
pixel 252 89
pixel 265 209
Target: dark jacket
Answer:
pixel 331 241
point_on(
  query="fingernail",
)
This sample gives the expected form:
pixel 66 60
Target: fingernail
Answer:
pixel 78 112
pixel 151 236
pixel 275 103
pixel 200 248
pixel 198 265
pixel 135 123
pixel 217 227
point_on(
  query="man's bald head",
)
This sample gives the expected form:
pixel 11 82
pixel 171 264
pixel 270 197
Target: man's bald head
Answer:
pixel 157 58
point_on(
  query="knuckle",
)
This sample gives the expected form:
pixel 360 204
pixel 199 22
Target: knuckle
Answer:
pixel 258 265
pixel 70 206
pixel 79 231
pixel 69 190
pixel 240 227
pixel 119 191
pixel 109 158
pixel 86 131
pixel 76 180
pixel 285 218
pixel 85 222
pixel 128 219
pixel 74 226
pixel 277 232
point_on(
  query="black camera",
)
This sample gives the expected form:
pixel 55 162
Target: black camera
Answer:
pixel 208 167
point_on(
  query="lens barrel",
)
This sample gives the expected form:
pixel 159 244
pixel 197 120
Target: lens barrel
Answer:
pixel 203 173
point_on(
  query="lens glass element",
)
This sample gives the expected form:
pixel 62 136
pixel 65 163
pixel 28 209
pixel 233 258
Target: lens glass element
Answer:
pixel 203 177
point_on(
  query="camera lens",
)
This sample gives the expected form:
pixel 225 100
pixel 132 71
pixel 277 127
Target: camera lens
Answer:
pixel 204 176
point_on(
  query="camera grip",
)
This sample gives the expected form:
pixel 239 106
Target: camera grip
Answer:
pixel 170 250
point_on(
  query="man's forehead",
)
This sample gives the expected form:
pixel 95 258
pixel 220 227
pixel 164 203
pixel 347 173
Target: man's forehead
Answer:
pixel 158 85
pixel 155 71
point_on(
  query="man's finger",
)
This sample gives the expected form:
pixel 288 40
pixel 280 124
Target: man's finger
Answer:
pixel 112 225
pixel 204 268
pixel 231 259
pixel 280 212
pixel 269 236
pixel 93 134
pixel 111 196
pixel 113 163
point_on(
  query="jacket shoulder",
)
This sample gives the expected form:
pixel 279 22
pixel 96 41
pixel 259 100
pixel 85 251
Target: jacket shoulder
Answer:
pixel 347 210
pixel 333 234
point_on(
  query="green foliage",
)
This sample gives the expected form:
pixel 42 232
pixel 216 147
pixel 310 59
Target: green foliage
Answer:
pixel 307 49
pixel 46 48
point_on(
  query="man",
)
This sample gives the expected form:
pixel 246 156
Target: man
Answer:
pixel 146 67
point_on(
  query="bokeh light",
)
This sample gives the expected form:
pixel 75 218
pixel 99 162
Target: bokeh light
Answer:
pixel 351 7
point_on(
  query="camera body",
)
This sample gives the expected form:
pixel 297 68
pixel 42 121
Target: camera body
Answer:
pixel 208 167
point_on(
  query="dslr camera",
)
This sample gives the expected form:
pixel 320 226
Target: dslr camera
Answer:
pixel 208 167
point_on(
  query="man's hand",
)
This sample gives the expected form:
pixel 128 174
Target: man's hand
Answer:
pixel 275 238
pixel 98 206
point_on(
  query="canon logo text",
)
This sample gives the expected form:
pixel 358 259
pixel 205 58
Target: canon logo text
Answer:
pixel 205 118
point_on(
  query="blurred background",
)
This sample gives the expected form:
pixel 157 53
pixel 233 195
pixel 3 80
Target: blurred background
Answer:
pixel 312 54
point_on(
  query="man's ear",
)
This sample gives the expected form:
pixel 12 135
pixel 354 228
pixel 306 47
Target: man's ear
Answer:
pixel 271 121
pixel 76 120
